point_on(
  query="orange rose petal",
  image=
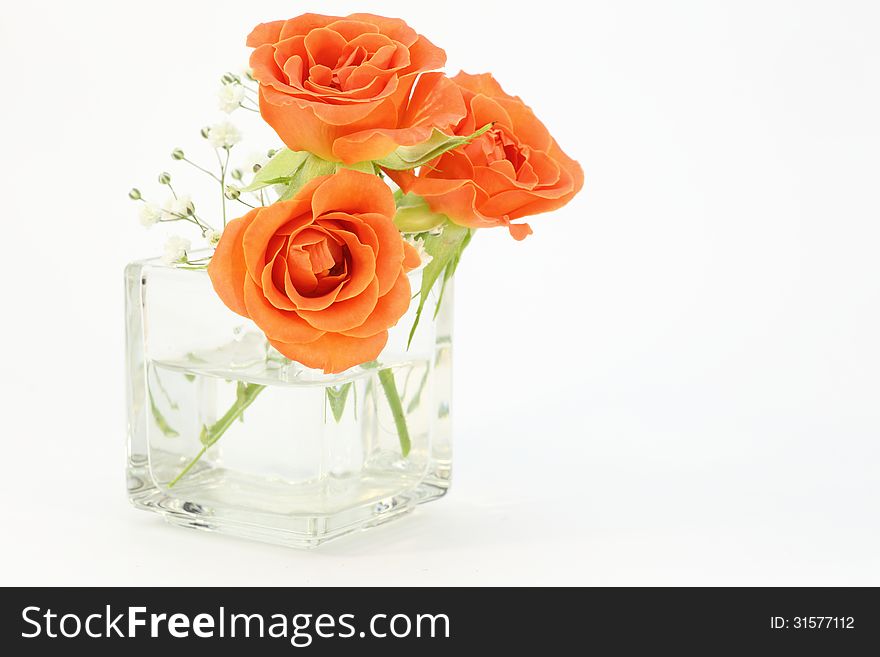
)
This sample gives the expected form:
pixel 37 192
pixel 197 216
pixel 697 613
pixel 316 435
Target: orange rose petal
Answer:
pixel 391 27
pixel 539 205
pixel 389 309
pixel 458 203
pixel 323 46
pixel 389 57
pixel 362 267
pixel 265 33
pixel 329 283
pixel 488 110
pixel 411 257
pixel 436 100
pixel 306 192
pixel 344 315
pixel 372 92
pixel 429 185
pixel 519 231
pixel 353 192
pixel 276 324
pixel 351 29
pixel 300 274
pixel 454 165
pixel 267 223
pixel 333 352
pixel 403 179
pixel 375 144
pixel 510 201
pixel 227 269
pixel 497 177
pixel 298 127
pixel 482 83
pixel 266 70
pixel 341 221
pixel 527 127
pixel 366 75
pixel 305 23
pixel 426 56
pixel 390 253
pixel 544 168
pixel 294 47
pixel 370 41
pixel 273 295
pixel 319 300
pixel 362 115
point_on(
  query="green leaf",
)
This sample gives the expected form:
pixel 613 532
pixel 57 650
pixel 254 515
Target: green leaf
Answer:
pixel 245 393
pixel 410 157
pixel 283 165
pixel 363 167
pixel 445 249
pixel 166 429
pixel 449 272
pixel 311 167
pixel 414 215
pixel 337 398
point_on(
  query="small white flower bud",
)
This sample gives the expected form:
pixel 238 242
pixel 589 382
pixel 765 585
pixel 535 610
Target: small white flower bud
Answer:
pixel 229 97
pixel 212 236
pixel 223 135
pixel 164 178
pixel 175 250
pixel 175 208
pixel 135 194
pixel 232 193
pixel 150 214
pixel 177 154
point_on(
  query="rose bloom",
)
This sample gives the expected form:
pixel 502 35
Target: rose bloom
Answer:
pixel 323 274
pixel 342 88
pixel 513 170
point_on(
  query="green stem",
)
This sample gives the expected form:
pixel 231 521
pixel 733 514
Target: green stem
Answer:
pixel 203 169
pixel 386 378
pixel 246 394
pixel 223 185
pixel 189 466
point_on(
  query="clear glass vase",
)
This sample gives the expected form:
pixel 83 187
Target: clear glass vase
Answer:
pixel 226 434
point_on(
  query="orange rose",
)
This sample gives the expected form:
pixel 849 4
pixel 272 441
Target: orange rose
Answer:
pixel 323 274
pixel 513 170
pixel 342 88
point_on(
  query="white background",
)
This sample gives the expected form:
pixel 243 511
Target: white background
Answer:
pixel 675 380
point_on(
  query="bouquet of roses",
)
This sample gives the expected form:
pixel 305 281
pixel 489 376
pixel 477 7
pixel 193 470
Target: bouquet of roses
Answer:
pixel 322 269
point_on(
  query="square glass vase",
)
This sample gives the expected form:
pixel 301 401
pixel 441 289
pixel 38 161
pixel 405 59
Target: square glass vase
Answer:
pixel 226 434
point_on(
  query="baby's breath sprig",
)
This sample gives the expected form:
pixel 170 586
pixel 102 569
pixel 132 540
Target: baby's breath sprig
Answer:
pixel 180 208
pixel 222 136
pixel 235 93
pixel 237 90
